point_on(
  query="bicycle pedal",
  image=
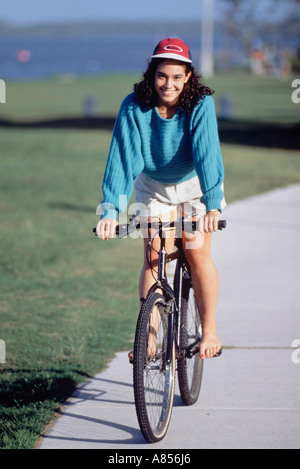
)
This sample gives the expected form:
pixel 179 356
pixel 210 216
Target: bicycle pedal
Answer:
pixel 218 354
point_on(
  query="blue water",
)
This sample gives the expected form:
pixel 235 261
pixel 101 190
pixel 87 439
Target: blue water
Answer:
pixel 85 55
pixel 95 55
pixel 51 56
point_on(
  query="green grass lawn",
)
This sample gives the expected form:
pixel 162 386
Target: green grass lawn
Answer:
pixel 254 98
pixel 65 306
pixel 69 301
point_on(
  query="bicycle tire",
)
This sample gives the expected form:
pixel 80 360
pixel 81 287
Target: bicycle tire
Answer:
pixel 154 381
pixel 190 370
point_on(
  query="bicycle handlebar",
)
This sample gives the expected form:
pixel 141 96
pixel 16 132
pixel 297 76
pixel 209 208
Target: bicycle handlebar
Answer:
pixel 125 229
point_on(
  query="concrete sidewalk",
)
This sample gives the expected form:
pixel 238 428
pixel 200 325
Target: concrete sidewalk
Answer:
pixel 250 397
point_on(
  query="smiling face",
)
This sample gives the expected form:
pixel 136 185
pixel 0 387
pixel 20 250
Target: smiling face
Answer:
pixel 170 78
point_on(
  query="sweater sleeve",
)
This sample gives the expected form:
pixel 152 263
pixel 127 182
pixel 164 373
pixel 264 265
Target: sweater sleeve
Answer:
pixel 207 153
pixel 124 162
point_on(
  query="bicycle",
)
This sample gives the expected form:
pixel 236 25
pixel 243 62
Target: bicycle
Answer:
pixel 168 331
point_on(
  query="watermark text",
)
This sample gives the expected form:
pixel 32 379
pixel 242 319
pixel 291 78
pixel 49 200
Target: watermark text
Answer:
pixel 2 92
pixel 296 353
pixel 296 93
pixel 145 216
pixel 2 351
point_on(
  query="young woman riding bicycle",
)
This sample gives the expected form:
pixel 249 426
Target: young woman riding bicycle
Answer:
pixel 166 142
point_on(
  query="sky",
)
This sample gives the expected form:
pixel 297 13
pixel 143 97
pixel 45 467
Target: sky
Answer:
pixel 36 11
pixel 32 11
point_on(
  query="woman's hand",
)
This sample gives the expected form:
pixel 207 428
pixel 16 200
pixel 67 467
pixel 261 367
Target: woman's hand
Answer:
pixel 106 228
pixel 211 220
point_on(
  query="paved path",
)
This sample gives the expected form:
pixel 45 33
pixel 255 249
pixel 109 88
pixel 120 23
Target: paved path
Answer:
pixel 250 397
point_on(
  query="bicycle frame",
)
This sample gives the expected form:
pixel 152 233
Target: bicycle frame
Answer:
pixel 172 296
pixel 157 348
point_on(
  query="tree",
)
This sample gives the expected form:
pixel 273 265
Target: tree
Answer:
pixel 243 18
pixel 248 20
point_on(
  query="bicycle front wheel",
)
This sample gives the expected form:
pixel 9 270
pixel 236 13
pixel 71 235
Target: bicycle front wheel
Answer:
pixel 190 366
pixel 153 377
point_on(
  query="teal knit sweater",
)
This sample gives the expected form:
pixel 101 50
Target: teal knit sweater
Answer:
pixel 167 150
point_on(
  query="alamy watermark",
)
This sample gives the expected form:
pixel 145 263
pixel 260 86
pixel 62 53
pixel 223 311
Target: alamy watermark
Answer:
pixel 296 353
pixel 2 92
pixel 2 351
pixel 144 215
pixel 296 94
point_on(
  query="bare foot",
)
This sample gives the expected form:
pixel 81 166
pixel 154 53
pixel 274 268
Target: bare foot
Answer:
pixel 210 345
pixel 151 349
pixel 152 339
pixel 131 356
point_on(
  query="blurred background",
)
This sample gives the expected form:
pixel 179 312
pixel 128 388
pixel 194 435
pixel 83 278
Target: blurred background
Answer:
pixel 67 301
pixel 72 37
pixel 64 43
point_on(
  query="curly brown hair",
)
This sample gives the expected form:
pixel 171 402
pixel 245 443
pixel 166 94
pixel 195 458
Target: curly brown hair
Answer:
pixel 192 93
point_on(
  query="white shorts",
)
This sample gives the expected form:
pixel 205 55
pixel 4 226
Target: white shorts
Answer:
pixel 154 198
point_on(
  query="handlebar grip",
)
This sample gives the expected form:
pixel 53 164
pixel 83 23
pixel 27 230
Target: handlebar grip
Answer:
pixel 123 230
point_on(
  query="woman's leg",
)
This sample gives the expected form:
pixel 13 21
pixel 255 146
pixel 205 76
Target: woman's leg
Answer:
pixel 206 284
pixel 149 274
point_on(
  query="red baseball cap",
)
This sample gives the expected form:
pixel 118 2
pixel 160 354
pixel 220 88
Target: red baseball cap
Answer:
pixel 172 49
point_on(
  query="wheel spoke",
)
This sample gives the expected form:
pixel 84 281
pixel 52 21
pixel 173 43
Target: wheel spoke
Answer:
pixel 153 380
pixel 190 367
